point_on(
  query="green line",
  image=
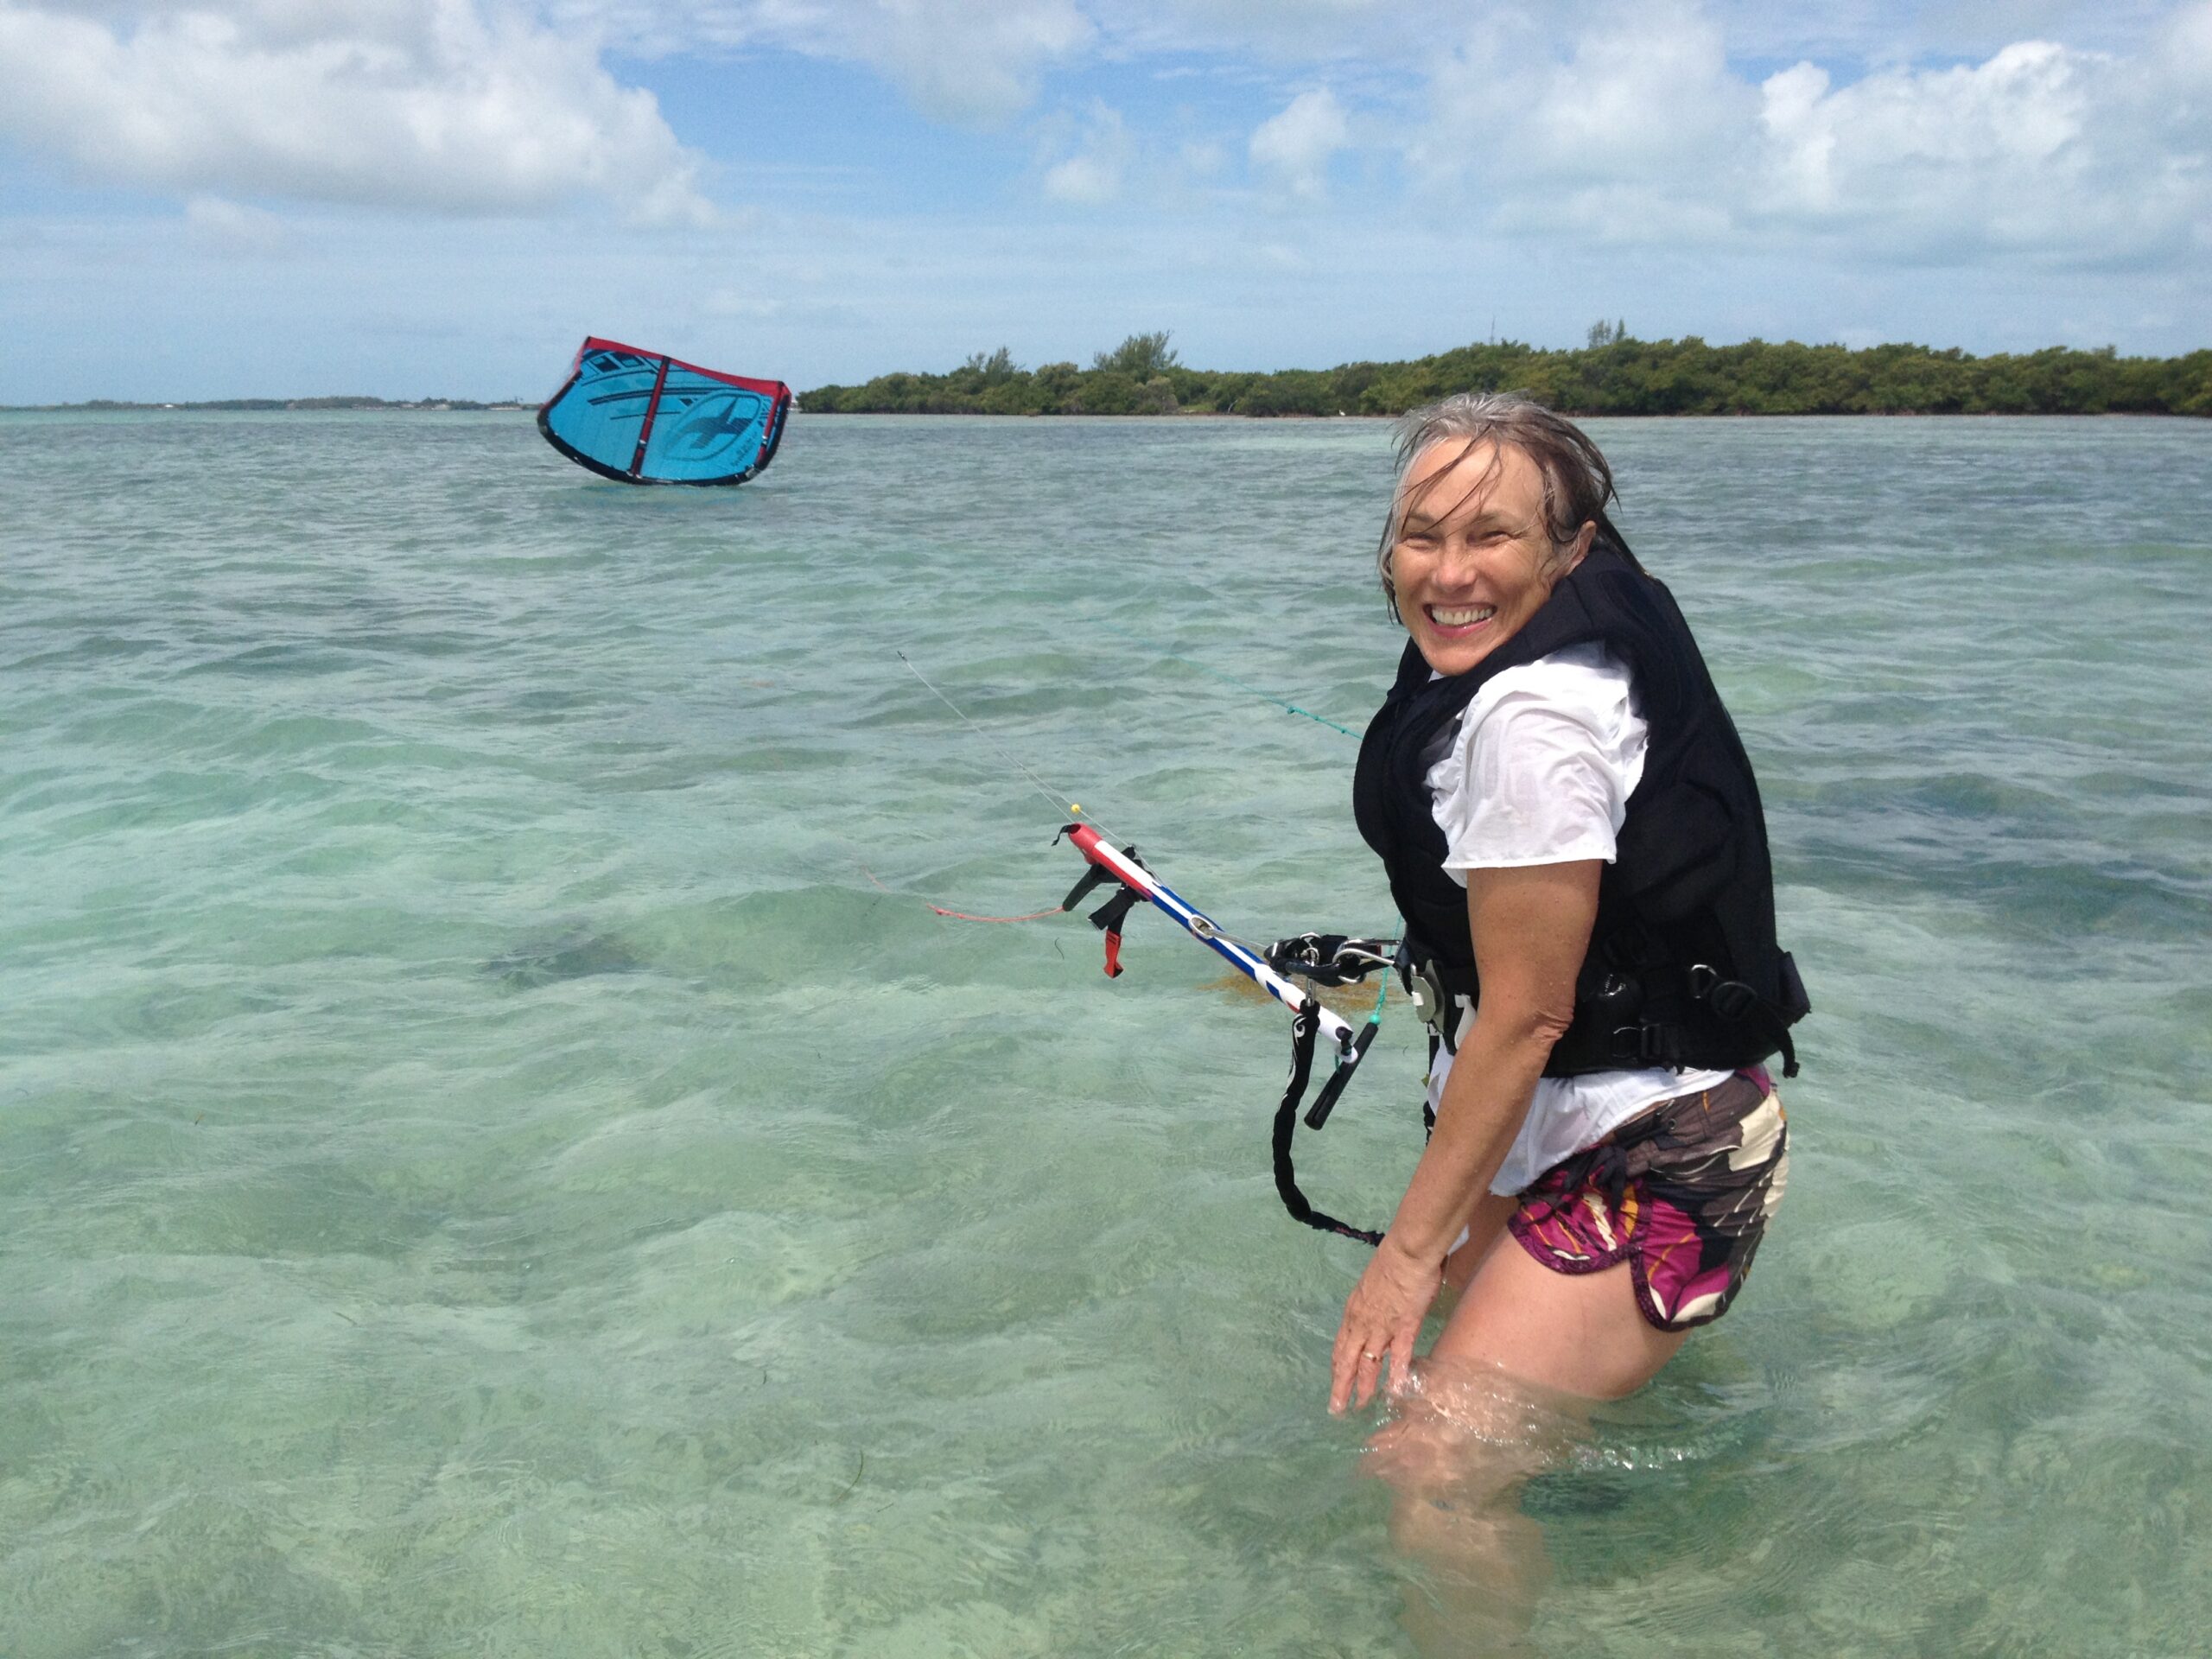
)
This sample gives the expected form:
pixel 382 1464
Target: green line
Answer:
pixel 1204 668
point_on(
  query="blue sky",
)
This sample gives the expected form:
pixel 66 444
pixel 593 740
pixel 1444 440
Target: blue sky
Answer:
pixel 213 198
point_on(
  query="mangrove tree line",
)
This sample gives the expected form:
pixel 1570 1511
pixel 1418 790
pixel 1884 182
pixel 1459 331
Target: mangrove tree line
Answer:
pixel 1613 374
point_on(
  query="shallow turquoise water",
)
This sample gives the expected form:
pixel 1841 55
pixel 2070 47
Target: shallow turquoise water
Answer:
pixel 496 1157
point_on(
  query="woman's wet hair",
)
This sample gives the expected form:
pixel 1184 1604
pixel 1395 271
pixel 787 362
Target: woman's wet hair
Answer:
pixel 1578 482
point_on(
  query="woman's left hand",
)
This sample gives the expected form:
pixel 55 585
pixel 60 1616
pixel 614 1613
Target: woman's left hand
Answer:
pixel 1381 1318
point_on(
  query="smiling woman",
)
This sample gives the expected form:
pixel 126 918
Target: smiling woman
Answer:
pixel 1574 836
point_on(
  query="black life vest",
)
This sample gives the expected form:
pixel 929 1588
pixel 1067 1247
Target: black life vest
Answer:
pixel 1683 969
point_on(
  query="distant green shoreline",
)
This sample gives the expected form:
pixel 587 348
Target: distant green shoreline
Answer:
pixel 1616 374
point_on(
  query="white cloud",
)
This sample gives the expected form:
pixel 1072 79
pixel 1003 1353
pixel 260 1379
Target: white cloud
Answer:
pixel 1084 179
pixel 2189 37
pixel 229 227
pixel 1094 174
pixel 1202 158
pixel 1878 33
pixel 423 103
pixel 1642 130
pixel 2041 148
pixel 1621 133
pixel 1308 32
pixel 969 61
pixel 1293 146
pixel 1940 140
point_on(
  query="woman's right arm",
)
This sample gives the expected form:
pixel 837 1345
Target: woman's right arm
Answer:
pixel 1531 927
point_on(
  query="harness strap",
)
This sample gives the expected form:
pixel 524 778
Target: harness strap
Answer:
pixel 1304 1029
pixel 1606 1038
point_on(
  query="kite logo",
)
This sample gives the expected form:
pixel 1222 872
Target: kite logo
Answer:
pixel 716 425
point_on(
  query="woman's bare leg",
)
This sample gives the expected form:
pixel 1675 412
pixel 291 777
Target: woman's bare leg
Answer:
pixel 1462 1442
pixel 1523 1356
pixel 1579 1333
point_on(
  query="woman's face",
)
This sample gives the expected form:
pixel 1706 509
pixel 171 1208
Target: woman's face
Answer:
pixel 1472 561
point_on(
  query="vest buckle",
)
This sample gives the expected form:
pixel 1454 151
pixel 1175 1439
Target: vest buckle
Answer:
pixel 1730 999
pixel 1649 1043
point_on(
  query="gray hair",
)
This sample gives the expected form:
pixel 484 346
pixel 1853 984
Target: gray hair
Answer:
pixel 1578 482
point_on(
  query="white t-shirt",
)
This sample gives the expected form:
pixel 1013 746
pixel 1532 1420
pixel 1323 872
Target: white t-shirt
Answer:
pixel 1540 773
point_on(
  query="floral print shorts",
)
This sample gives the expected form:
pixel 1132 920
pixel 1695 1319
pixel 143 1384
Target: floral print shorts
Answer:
pixel 1682 1192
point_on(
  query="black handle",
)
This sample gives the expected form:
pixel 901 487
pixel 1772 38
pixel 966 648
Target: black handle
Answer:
pixel 1325 1102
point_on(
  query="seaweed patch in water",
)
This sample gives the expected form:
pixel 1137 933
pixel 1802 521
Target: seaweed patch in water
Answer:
pixel 568 956
pixel 1565 1492
pixel 1354 1002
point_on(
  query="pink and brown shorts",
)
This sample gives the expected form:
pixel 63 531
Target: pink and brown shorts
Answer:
pixel 1681 1192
